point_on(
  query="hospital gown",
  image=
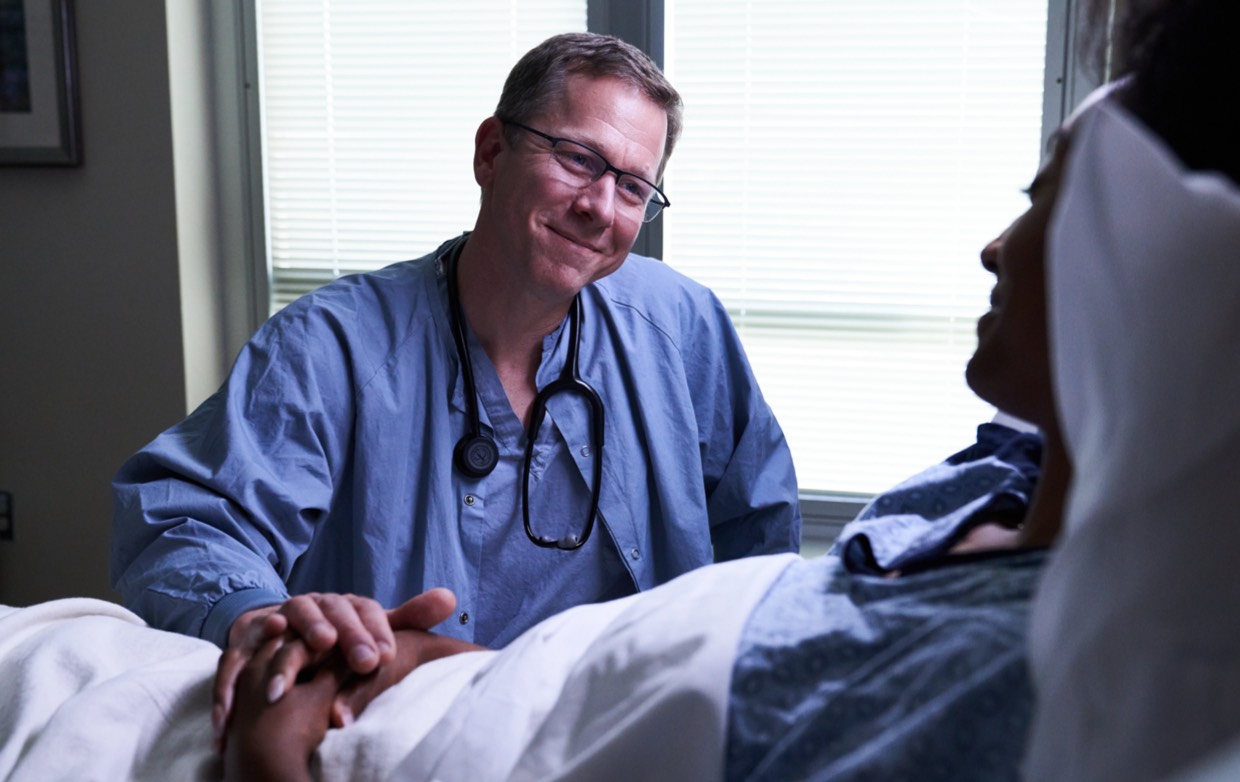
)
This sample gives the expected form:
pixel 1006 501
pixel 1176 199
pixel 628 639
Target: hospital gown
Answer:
pixel 845 672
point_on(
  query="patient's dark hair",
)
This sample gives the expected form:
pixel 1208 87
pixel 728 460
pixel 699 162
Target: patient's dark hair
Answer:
pixel 1183 57
pixel 538 79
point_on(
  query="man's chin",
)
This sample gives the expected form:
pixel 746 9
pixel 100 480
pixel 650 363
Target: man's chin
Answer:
pixel 579 270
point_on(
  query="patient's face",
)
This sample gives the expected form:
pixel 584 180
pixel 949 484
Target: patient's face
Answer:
pixel 1011 366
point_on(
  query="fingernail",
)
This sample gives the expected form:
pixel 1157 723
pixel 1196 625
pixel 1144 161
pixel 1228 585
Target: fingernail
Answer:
pixel 217 725
pixel 346 716
pixel 320 633
pixel 275 690
pixel 363 655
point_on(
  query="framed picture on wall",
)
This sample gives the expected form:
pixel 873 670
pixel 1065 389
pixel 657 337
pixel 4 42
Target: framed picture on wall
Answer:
pixel 39 124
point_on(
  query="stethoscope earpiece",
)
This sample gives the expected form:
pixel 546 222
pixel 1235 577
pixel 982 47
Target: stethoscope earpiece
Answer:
pixel 566 543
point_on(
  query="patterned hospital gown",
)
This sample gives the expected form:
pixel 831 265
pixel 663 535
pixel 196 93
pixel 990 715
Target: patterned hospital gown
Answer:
pixel 845 672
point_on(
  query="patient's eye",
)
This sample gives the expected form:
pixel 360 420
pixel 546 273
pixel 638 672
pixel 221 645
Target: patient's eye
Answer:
pixel 1031 192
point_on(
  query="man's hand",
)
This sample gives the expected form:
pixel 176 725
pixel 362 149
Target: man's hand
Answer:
pixel 414 646
pixel 275 740
pixel 306 628
pixel 357 626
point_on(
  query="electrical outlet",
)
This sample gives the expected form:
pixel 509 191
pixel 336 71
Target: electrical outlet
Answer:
pixel 6 515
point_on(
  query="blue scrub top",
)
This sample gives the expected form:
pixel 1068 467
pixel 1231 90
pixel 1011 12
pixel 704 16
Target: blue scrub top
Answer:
pixel 324 462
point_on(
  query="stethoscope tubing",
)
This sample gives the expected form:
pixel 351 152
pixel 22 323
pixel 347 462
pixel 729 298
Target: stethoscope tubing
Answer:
pixel 476 454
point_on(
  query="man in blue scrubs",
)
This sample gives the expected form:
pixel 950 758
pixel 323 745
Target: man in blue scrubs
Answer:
pixel 322 482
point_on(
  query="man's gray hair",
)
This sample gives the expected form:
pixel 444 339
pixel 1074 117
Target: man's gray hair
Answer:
pixel 540 77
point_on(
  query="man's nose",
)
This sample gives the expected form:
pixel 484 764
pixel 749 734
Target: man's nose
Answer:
pixel 599 197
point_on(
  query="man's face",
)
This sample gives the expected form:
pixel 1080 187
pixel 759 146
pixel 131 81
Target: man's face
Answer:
pixel 1011 366
pixel 558 236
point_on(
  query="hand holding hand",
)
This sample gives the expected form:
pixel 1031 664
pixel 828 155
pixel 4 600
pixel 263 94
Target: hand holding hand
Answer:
pixel 414 646
pixel 274 738
pixel 358 626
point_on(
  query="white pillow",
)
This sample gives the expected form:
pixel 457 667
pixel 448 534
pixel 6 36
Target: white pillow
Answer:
pixel 1135 638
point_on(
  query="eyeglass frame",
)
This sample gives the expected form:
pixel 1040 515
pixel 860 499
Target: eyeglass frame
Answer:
pixel 656 191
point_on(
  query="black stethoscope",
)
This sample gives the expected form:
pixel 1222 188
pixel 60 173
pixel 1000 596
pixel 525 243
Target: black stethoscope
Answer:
pixel 476 454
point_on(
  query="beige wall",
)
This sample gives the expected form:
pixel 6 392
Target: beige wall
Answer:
pixel 92 332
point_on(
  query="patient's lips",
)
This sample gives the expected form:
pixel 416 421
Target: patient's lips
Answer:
pixel 996 298
pixel 984 322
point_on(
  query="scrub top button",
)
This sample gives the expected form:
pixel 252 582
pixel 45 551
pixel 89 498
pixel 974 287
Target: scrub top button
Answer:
pixel 585 451
pixel 635 554
pixel 470 500
pixel 464 617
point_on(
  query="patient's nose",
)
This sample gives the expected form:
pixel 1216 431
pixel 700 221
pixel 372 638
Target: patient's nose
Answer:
pixel 990 254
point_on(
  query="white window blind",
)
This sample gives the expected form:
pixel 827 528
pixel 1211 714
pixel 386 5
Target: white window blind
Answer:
pixel 369 109
pixel 842 164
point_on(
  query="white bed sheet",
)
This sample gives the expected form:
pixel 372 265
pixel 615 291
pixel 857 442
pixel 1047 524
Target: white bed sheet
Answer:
pixel 632 689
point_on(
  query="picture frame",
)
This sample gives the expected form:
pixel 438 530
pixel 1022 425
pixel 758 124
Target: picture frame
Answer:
pixel 39 115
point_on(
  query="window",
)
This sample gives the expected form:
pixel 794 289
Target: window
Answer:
pixel 842 164
pixel 369 109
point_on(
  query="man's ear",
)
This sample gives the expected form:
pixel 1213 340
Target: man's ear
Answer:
pixel 489 141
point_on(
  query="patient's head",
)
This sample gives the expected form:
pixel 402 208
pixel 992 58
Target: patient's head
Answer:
pixel 1181 77
pixel 1011 366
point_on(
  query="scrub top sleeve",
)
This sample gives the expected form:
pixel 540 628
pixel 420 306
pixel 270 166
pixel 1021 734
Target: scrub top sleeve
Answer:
pixel 754 508
pixel 228 499
pixel 751 486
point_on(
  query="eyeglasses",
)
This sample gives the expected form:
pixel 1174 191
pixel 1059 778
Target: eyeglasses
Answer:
pixel 585 166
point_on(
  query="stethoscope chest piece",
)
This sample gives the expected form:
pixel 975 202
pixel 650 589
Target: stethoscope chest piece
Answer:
pixel 475 455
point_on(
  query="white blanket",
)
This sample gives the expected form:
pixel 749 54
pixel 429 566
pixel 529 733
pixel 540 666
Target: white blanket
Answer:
pixel 632 689
pixel 89 692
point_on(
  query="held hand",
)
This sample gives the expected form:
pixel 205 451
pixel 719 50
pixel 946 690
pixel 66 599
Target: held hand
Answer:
pixel 275 740
pixel 414 645
pixel 357 626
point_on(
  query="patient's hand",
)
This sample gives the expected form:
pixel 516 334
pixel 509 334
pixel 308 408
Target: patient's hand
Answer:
pixel 357 626
pixel 312 626
pixel 274 741
pixel 414 646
